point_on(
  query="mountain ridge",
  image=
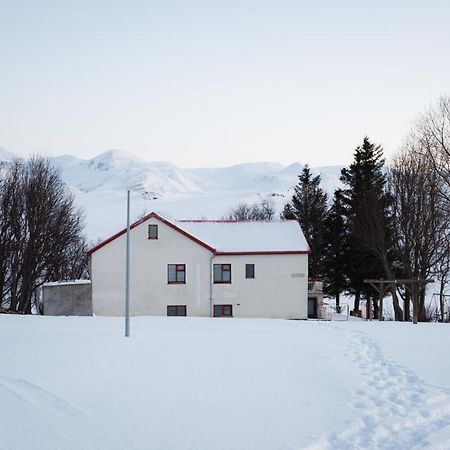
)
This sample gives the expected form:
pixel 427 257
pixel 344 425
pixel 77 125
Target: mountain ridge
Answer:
pixel 99 185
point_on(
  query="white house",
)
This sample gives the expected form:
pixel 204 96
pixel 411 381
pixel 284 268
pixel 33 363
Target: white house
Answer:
pixel 205 268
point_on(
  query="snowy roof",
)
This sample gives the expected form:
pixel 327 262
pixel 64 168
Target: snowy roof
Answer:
pixel 229 236
pixel 66 283
pixel 243 237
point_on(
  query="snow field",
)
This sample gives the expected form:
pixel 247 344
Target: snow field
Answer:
pixel 199 383
pixel 398 410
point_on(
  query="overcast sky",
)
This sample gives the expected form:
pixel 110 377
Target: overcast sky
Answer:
pixel 216 83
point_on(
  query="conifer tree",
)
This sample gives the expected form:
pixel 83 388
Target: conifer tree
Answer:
pixel 369 218
pixel 309 204
pixel 335 249
pixel 288 212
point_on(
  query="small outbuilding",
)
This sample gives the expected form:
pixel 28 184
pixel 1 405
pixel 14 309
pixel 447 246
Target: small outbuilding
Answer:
pixel 67 298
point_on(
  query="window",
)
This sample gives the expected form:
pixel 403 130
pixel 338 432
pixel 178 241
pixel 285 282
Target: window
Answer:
pixel 176 310
pixel 153 231
pixel 223 310
pixel 222 273
pixel 249 271
pixel 176 273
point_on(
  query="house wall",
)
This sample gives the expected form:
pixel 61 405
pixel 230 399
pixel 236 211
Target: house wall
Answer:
pixel 149 291
pixel 279 289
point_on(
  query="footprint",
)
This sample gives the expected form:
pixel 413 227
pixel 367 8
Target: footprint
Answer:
pixel 40 397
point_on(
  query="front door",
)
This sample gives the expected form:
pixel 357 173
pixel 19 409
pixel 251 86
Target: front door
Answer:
pixel 312 308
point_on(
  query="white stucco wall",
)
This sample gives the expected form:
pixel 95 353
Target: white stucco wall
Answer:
pixel 149 291
pixel 279 289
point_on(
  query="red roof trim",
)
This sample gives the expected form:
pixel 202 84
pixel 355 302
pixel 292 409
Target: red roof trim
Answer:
pixel 139 222
pixel 281 252
pixel 118 234
pixel 223 221
pixel 185 233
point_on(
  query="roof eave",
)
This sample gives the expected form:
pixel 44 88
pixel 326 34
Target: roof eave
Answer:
pixel 275 252
pixel 193 238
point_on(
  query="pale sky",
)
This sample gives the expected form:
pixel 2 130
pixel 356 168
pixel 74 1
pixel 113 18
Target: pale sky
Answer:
pixel 217 83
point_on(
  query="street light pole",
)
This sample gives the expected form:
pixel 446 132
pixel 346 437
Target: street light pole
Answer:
pixel 127 271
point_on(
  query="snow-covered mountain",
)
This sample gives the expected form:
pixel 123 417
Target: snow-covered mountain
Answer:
pixel 100 184
pixel 116 170
pixel 5 159
pixel 5 155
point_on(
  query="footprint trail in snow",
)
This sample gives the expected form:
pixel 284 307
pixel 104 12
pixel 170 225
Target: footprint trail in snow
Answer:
pixel 397 409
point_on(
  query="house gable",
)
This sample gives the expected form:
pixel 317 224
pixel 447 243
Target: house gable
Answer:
pixel 152 215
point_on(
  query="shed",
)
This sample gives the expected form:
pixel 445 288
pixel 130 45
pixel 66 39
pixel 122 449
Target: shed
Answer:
pixel 67 298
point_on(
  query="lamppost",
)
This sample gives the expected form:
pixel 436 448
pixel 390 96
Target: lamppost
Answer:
pixel 137 188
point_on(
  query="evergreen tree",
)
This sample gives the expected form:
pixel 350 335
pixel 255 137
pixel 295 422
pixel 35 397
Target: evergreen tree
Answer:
pixel 335 249
pixel 288 212
pixel 368 213
pixel 309 204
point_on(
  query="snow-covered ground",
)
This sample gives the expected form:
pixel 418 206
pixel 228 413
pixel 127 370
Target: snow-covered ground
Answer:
pixel 209 384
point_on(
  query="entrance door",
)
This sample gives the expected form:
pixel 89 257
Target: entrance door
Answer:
pixel 312 308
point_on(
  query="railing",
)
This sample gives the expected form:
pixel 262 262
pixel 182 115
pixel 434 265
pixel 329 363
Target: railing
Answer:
pixel 315 286
pixel 332 312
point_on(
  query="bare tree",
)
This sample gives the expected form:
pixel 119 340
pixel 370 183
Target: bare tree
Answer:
pixel 40 232
pixel 421 223
pixel 256 211
pixel 442 272
pixel 11 230
pixel 432 133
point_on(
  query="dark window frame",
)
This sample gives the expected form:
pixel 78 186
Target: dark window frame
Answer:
pixel 179 268
pixel 154 227
pixel 222 270
pixel 221 314
pixel 178 308
pixel 252 277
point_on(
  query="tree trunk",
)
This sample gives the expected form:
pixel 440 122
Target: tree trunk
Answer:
pixel 356 304
pixel 422 314
pixel 407 306
pixel 415 302
pixel 14 299
pixel 441 300
pixel 397 309
pixel 25 298
pixel 376 309
pixel 1 289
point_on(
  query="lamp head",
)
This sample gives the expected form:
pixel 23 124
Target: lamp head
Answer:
pixel 139 187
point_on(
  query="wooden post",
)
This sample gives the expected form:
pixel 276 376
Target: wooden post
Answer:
pixel 380 287
pixel 413 287
pixel 380 310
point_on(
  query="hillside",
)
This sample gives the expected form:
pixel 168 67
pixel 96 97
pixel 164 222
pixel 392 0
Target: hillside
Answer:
pixel 99 185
